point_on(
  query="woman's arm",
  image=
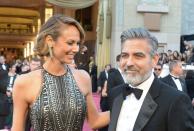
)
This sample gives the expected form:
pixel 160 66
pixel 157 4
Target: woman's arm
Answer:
pixel 20 104
pixel 95 118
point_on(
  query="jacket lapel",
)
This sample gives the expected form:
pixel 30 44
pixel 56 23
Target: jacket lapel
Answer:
pixel 116 109
pixel 148 107
pixel 146 111
pixel 183 84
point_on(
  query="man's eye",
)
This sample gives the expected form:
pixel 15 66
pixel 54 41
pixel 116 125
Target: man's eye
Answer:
pixel 139 55
pixel 124 55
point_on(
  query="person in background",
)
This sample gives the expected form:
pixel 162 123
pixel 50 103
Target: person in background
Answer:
pixel 175 78
pixel 189 79
pixel 4 108
pixel 158 69
pixel 35 64
pixel 57 97
pixel 103 77
pixel 102 88
pixel 93 73
pixel 82 58
pixel 11 78
pixel 115 75
pixel 18 66
pixel 25 68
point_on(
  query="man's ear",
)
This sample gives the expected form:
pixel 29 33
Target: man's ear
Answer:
pixel 49 41
pixel 155 59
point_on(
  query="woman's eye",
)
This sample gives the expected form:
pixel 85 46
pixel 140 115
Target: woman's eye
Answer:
pixel 70 43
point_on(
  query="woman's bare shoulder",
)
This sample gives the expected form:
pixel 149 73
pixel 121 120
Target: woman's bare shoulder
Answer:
pixel 81 73
pixel 27 79
pixel 83 80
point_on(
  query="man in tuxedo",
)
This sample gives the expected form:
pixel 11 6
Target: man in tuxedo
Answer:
pixel 115 78
pixel 102 87
pixel 103 77
pixel 145 103
pixel 174 78
pixel 158 69
pixel 3 86
pixel 115 75
pixel 189 80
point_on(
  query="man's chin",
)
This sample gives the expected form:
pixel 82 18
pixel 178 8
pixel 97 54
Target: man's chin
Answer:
pixel 133 82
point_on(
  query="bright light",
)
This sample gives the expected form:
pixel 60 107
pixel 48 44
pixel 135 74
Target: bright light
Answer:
pixel 28 50
pixel 25 53
pixel 48 13
pixel 32 47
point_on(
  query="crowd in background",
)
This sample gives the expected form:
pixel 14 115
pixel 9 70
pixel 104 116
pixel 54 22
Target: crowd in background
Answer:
pixel 8 74
pixel 99 83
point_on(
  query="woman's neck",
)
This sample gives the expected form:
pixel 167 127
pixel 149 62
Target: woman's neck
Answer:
pixel 55 67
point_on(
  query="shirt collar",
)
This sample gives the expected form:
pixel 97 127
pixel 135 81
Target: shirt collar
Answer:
pixel 174 76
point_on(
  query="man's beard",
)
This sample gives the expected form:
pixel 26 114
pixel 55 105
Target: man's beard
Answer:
pixel 136 79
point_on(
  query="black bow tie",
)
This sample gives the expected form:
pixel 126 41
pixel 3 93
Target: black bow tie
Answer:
pixel 128 90
pixel 175 77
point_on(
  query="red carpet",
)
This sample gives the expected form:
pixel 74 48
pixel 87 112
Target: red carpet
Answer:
pixel 97 101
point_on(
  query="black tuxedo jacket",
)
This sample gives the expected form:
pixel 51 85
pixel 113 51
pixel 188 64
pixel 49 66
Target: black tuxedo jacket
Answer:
pixel 3 87
pixel 163 109
pixel 102 78
pixel 114 79
pixel 3 79
pixel 168 80
pixel 103 100
pixel 190 83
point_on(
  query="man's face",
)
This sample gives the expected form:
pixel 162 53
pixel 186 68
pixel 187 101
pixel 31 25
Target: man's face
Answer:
pixel 169 52
pixel 34 65
pixel 178 69
pixel 137 61
pixel 2 60
pixel 107 68
pixel 157 69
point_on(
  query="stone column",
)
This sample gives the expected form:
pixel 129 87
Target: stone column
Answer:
pixel 117 28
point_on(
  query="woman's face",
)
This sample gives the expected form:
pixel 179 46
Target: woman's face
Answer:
pixel 67 44
pixel 175 54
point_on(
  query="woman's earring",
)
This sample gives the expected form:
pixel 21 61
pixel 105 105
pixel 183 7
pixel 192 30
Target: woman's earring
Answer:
pixel 50 51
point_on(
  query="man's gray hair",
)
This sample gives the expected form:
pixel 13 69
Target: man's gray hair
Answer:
pixel 140 33
pixel 172 64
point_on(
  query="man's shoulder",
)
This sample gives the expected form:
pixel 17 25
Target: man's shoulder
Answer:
pixel 113 70
pixel 102 72
pixel 167 90
pixel 166 78
pixel 116 90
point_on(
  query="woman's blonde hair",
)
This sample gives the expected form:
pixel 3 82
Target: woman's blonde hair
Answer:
pixel 53 28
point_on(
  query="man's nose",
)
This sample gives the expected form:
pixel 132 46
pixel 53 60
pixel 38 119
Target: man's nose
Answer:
pixel 130 61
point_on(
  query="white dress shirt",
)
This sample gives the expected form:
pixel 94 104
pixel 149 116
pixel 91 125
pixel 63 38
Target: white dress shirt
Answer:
pixel 131 107
pixel 106 73
pixel 3 66
pixel 178 83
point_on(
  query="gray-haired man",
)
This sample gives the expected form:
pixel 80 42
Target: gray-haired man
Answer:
pixel 145 103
